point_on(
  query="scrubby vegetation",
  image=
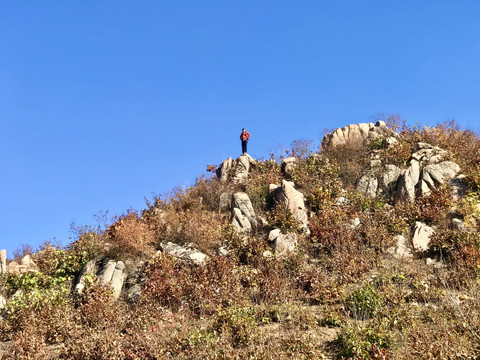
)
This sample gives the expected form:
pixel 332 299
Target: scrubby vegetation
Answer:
pixel 341 294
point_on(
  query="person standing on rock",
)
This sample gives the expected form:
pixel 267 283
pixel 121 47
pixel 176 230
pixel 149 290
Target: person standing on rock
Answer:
pixel 244 136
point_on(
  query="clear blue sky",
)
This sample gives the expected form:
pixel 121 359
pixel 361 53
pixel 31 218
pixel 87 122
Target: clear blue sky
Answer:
pixel 103 103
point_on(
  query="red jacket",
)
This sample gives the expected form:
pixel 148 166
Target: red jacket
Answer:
pixel 244 135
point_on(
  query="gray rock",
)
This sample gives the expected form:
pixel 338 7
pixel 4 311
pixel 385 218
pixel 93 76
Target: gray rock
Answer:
pixel 458 225
pixel 27 265
pixel 285 243
pixel 407 182
pixel 225 201
pixel 242 167
pixel 89 269
pixel 421 236
pixel 368 184
pixel 223 170
pixel 243 215
pixel 390 177
pixel 436 174
pixel 3 261
pixel 118 278
pixel 106 272
pixel 187 254
pixel 293 201
pixel 402 251
pixel 3 302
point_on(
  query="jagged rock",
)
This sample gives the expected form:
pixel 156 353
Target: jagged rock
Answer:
pixel 427 171
pixel 223 170
pixel 436 174
pixel 106 272
pixel 293 201
pixel 134 293
pixel 421 236
pixel 3 261
pixel 288 164
pixel 359 134
pixel 243 215
pixel 187 253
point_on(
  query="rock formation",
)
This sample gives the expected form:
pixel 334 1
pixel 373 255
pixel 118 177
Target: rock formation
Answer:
pixel 3 261
pixel 283 243
pixel 108 272
pixel 360 134
pixel 293 200
pixel 26 265
pixel 421 236
pixel 243 215
pixel 236 170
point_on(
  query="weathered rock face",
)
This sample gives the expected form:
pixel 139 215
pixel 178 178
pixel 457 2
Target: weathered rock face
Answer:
pixel 3 261
pixel 186 254
pixel 421 236
pixel 237 169
pixel 293 201
pixel 108 272
pixel 243 215
pixel 283 243
pixel 359 134
pixel 401 250
pixel 379 179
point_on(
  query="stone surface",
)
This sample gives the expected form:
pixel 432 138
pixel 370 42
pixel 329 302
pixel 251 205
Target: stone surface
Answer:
pixel 106 272
pixel 402 251
pixel 421 236
pixel 368 184
pixel 223 170
pixel 293 201
pixel 118 278
pixel 3 302
pixel 3 261
pixel 225 201
pixel 243 215
pixel 187 253
pixel 285 243
pixel 389 178
pixel 436 174
pixel 458 225
pixel 89 269
pixel 27 265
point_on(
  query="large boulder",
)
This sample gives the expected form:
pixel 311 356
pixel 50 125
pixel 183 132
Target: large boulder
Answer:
pixel 185 254
pixel 359 134
pixel 293 201
pixel 243 215
pixel 288 164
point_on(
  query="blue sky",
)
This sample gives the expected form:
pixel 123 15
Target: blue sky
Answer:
pixel 103 103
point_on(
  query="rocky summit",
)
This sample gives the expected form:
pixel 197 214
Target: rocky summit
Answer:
pixel 367 248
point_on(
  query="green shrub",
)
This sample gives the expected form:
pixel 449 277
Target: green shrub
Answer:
pixel 364 302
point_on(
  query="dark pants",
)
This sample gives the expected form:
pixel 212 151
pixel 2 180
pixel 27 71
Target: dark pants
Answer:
pixel 244 146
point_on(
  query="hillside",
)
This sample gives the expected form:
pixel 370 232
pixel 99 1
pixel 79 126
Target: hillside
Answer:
pixel 367 248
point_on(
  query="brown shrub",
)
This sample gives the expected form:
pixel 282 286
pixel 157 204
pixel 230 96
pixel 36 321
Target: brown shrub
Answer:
pixel 131 234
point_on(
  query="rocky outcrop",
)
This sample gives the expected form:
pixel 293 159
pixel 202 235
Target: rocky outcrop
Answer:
pixel 3 261
pixel 283 243
pixel 27 265
pixel 108 272
pixel 360 134
pixel 379 179
pixel 293 200
pixel 185 254
pixel 421 236
pixel 243 215
pixel 237 170
pixel 401 250
pixel 426 171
